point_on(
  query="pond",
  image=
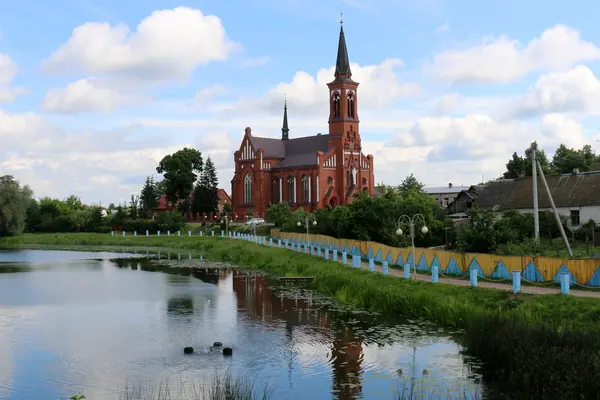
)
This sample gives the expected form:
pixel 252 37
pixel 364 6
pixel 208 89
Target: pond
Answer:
pixel 101 322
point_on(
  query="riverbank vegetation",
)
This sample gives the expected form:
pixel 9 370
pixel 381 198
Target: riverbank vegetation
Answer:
pixel 545 346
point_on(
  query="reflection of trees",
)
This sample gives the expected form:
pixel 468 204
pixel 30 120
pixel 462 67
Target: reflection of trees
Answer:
pixel 183 305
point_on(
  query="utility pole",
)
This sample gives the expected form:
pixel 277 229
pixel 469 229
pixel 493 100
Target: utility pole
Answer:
pixel 536 213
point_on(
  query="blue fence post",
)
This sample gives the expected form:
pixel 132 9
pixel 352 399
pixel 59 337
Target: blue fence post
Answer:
pixel 168 233
pixel 178 233
pixel 278 242
pixel 147 233
pixel 319 251
pixel 473 276
pixel 134 233
pixel 344 258
pixel 335 256
pixel 435 274
pixel 189 233
pixel 271 242
pixel 407 271
pixel 157 233
pixel 222 233
pixel 212 233
pixel 371 265
pixel 112 233
pixel 298 247
pixel 327 254
pixel 306 248
pixel 385 268
pixel 516 281
pixel 565 283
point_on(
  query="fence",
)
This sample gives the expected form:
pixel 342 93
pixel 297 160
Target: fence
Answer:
pixel 535 269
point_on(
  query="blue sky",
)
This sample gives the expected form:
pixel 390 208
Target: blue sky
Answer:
pixel 94 93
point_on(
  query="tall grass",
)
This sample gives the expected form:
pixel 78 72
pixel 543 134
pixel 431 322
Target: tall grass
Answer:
pixel 532 346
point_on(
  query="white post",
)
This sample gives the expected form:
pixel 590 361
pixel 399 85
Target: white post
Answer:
pixel 536 213
pixel 280 189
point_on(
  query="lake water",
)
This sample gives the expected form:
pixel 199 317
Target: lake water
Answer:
pixel 74 321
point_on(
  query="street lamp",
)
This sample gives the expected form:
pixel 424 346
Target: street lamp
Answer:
pixel 410 222
pixel 307 218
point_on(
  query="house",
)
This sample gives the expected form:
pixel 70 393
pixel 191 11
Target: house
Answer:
pixel 308 172
pixel 576 196
pixel 445 195
pixel 463 202
pixel 164 205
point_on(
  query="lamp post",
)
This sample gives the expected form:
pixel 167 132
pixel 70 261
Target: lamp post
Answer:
pixel 306 218
pixel 411 222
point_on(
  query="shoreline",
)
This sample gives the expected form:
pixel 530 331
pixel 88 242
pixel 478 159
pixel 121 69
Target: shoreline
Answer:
pixel 533 346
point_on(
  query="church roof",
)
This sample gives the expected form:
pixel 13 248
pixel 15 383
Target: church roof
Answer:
pixel 295 153
pixel 342 64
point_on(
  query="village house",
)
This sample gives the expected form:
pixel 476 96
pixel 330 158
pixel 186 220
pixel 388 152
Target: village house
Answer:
pixel 444 195
pixel 576 196
pixel 165 206
pixel 308 172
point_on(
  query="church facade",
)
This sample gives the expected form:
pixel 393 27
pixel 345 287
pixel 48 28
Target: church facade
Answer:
pixel 307 172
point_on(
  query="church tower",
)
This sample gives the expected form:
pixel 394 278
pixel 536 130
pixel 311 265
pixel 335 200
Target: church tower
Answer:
pixel 344 124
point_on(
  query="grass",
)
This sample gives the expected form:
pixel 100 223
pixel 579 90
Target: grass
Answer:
pixel 532 346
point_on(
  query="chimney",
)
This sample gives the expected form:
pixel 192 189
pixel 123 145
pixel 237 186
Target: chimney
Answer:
pixel 450 185
pixel 575 170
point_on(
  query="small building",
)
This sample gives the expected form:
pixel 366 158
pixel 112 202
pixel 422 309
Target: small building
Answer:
pixel 164 205
pixel 223 199
pixel 576 196
pixel 446 194
pixel 463 202
pixel 308 172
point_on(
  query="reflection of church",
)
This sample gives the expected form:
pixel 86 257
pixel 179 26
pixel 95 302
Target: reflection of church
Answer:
pixel 311 171
pixel 254 296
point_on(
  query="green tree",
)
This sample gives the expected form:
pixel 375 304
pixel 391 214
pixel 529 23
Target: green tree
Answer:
pixel 479 234
pixel 148 197
pixel 410 183
pixel 14 202
pixel 565 160
pixel 133 206
pixel 278 214
pixel 519 166
pixel 180 171
pixel 206 197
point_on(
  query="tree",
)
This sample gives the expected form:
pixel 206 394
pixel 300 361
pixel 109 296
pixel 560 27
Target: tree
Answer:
pixel 206 196
pixel 519 166
pixel 133 206
pixel 278 214
pixel 180 171
pixel 14 202
pixel 410 183
pixel 148 197
pixel 565 160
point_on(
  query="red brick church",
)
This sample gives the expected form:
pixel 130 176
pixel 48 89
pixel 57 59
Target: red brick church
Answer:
pixel 312 171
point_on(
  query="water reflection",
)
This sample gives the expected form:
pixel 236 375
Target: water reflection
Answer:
pixel 129 321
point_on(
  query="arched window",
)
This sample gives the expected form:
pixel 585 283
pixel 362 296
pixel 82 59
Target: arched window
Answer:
pixel 248 189
pixel 275 191
pixel 336 105
pixel 291 190
pixel 351 105
pixel 305 189
pixel 348 178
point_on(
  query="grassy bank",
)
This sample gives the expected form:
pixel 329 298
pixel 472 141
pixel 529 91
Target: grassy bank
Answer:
pixel 533 346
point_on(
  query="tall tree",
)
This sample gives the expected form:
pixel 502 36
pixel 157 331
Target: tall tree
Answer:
pixel 134 206
pixel 206 198
pixel 180 171
pixel 410 183
pixel 148 197
pixel 565 160
pixel 519 166
pixel 14 201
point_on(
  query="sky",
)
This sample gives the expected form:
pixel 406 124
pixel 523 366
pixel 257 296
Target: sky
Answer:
pixel 94 93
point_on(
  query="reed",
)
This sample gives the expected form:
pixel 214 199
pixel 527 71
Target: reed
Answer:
pixel 532 346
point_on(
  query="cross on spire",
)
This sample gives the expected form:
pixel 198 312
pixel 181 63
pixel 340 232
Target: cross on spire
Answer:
pixel 341 17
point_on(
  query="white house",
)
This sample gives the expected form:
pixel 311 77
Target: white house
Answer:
pixel 576 196
pixel 446 194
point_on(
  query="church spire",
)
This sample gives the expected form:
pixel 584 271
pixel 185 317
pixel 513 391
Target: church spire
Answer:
pixel 342 64
pixel 285 131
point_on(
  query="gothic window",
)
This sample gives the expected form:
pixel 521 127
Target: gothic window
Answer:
pixel 336 105
pixel 348 179
pixel 305 189
pixel 351 105
pixel 290 189
pixel 248 189
pixel 275 191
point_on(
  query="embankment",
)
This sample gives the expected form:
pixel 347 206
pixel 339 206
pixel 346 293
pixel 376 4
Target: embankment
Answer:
pixel 532 346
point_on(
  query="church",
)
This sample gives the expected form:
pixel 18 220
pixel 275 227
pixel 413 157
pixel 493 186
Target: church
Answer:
pixel 307 172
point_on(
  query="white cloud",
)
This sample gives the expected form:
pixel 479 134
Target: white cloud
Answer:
pixel 503 60
pixel 255 62
pixel 577 90
pixel 88 95
pixel 307 94
pixel 442 28
pixel 205 95
pixel 8 69
pixel 168 44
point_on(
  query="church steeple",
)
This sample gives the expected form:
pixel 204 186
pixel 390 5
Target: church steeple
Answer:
pixel 285 131
pixel 342 64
